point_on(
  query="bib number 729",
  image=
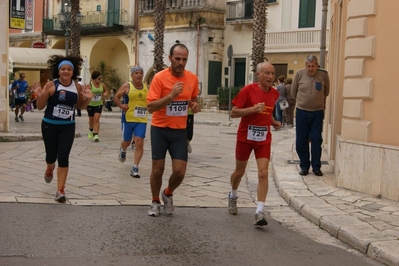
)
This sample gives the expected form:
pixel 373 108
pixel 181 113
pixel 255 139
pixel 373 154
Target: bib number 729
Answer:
pixel 257 133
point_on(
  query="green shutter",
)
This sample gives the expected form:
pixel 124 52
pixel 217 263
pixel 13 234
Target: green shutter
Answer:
pixel 307 13
pixel 214 77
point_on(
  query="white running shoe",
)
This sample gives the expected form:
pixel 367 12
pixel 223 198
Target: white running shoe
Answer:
pixel 122 155
pixel 260 219
pixel 232 205
pixel 154 211
pixel 168 204
pixel 60 196
pixel 134 172
pixel 48 175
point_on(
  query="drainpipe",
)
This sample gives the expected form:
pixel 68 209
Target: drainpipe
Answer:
pixel 323 34
pixel 136 27
pixel 198 44
pixel 44 10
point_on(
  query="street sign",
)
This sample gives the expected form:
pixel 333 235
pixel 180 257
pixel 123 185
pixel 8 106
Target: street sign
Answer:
pixel 29 15
pixel 38 45
pixel 17 14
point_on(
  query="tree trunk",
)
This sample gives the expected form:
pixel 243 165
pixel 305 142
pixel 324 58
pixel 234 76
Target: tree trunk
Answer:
pixel 75 28
pixel 159 27
pixel 259 34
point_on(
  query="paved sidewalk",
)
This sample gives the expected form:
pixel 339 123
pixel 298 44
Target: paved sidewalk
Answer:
pixel 367 223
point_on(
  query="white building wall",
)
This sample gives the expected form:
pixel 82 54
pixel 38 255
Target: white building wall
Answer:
pixel 295 13
pixel 282 16
pixel 146 48
pixel 208 51
pixel 286 18
pixel 274 16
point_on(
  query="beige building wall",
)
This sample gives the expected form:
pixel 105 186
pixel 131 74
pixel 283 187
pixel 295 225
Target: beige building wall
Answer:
pixel 116 50
pixel 282 20
pixel 235 34
pixel 4 66
pixel 361 110
pixel 204 44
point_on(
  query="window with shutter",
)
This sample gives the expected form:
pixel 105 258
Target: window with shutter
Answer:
pixel 307 13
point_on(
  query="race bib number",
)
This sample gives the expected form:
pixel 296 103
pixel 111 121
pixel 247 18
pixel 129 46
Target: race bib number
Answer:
pixel 96 98
pixel 21 95
pixel 140 111
pixel 62 111
pixel 257 133
pixel 177 108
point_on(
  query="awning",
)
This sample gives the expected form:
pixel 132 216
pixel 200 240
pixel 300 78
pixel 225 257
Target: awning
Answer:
pixel 31 58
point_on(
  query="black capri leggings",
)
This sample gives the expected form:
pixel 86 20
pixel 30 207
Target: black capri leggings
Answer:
pixel 58 140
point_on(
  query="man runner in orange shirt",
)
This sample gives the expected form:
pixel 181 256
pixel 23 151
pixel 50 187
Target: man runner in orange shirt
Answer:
pixel 173 91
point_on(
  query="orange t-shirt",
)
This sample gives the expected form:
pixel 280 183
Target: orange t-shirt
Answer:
pixel 174 115
pixel 33 96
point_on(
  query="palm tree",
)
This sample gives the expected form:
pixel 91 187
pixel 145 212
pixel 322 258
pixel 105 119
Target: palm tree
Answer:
pixel 109 75
pixel 259 34
pixel 75 28
pixel 159 27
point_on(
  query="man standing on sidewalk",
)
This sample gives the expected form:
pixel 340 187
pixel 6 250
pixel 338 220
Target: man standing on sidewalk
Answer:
pixel 310 88
pixel 19 87
pixel 254 104
pixel 173 91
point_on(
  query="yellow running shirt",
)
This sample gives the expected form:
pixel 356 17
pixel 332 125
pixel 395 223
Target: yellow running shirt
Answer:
pixel 137 102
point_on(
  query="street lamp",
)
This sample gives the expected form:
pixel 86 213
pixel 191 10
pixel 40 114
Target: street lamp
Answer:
pixel 65 18
pixel 79 18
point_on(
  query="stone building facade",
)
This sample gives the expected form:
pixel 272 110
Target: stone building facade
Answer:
pixel 361 129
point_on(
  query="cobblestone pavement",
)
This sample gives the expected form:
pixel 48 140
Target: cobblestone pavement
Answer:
pixel 96 177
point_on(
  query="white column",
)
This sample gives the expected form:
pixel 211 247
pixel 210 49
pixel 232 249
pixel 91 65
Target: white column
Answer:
pixel 4 20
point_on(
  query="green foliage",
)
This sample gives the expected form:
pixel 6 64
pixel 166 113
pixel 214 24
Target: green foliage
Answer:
pixel 198 20
pixel 11 76
pixel 223 96
pixel 109 76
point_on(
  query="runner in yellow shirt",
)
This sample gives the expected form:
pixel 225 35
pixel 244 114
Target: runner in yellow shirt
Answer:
pixel 134 116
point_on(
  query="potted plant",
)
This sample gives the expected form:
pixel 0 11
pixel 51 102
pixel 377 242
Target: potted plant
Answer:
pixel 223 96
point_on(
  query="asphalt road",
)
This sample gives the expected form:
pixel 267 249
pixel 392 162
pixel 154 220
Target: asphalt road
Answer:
pixel 52 234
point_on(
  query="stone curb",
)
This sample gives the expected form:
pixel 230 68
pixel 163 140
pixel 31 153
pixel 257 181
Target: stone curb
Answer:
pixel 349 229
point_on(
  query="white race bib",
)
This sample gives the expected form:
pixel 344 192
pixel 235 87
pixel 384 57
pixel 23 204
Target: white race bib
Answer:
pixel 140 111
pixel 257 133
pixel 62 111
pixel 96 98
pixel 177 108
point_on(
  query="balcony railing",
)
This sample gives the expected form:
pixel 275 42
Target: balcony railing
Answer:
pixel 242 9
pixel 239 10
pixel 298 40
pixel 148 5
pixel 91 18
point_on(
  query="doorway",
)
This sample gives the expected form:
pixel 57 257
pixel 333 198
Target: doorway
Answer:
pixel 280 69
pixel 239 72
